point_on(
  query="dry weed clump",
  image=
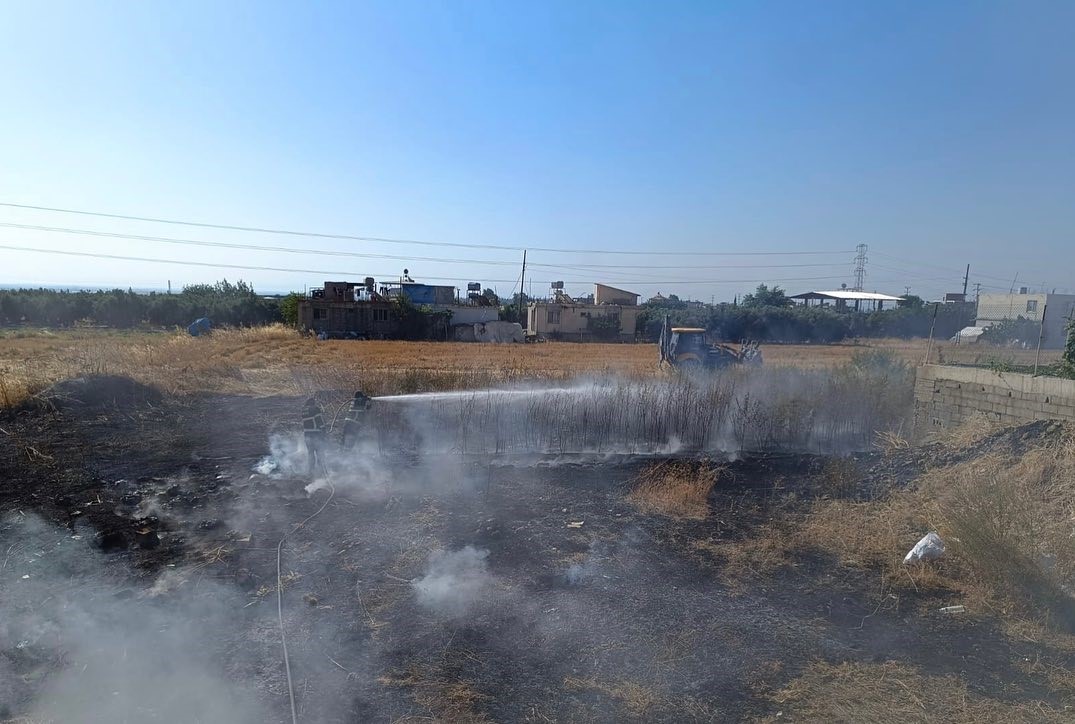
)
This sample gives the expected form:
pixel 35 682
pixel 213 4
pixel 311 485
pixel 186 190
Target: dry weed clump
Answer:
pixel 636 699
pixel 891 692
pixel 1009 520
pixel 676 489
pixel 745 559
pixel 449 698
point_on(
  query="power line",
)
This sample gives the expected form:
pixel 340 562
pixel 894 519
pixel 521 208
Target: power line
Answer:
pixel 1007 280
pixel 690 266
pixel 245 247
pixel 350 237
pixel 364 255
pixel 338 273
pixel 212 265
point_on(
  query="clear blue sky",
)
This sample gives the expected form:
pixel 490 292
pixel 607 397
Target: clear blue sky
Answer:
pixel 938 133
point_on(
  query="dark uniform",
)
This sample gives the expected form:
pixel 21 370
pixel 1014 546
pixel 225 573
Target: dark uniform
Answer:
pixel 352 423
pixel 313 430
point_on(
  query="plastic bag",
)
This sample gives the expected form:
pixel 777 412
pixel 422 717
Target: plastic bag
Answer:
pixel 929 548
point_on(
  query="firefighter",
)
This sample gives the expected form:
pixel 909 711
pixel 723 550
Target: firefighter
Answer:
pixel 313 431
pixel 352 423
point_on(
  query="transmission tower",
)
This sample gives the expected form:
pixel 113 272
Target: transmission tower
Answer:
pixel 860 267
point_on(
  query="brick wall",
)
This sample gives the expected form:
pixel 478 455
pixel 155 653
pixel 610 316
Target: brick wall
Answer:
pixel 946 396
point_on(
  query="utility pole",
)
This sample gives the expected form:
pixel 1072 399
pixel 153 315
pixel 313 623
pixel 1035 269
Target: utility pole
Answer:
pixel 932 326
pixel 860 267
pixel 1041 333
pixel 966 278
pixel 977 291
pixel 522 281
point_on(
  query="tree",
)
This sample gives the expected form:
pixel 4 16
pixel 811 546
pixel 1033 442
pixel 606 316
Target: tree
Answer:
pixel 1007 331
pixel 763 296
pixel 912 301
pixel 289 309
pixel 1067 361
pixel 491 296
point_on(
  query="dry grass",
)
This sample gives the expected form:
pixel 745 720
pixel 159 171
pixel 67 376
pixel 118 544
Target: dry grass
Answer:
pixel 676 489
pixel 749 558
pixel 892 692
pixel 1007 521
pixel 449 699
pixel 637 700
pixel 277 360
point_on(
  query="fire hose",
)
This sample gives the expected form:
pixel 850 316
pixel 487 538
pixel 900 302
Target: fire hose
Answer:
pixel 280 598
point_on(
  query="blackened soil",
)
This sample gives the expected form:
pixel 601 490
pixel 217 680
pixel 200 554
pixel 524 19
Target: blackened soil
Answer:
pixel 587 610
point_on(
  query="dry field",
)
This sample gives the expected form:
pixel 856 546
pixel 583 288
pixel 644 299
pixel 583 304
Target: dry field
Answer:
pixel 436 587
pixel 276 360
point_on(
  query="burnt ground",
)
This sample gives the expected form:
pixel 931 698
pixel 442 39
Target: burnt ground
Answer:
pixel 583 609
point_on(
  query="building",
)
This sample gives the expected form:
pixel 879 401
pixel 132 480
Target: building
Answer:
pixel 604 294
pixel 1056 308
pixel 362 310
pixel 848 299
pixel 350 309
pixel 612 317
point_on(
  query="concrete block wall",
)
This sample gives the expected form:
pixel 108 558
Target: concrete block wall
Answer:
pixel 947 396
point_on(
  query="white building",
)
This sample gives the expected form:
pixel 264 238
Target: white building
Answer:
pixel 1056 308
pixel 848 298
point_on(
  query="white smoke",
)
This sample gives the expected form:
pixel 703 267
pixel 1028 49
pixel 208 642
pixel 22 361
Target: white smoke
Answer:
pixel 287 457
pixel 118 656
pixel 455 581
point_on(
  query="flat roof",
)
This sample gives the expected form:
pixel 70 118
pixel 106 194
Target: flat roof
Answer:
pixel 849 295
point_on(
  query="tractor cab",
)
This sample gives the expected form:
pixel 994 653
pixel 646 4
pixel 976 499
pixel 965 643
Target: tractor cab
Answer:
pixel 688 343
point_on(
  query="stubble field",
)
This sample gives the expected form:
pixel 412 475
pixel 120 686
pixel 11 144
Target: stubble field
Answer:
pixel 277 360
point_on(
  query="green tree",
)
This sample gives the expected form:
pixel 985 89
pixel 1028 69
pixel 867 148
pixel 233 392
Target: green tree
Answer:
pixel 1020 329
pixel 1067 361
pixel 289 309
pixel 763 296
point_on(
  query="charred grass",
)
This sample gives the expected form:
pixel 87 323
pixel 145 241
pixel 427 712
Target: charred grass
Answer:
pixel 891 691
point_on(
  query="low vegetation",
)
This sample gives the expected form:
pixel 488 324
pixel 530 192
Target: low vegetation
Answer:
pixel 676 489
pixel 1006 517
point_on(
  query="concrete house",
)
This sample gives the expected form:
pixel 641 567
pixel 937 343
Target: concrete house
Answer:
pixel 1057 308
pixel 366 310
pixel 612 317
pixel 349 309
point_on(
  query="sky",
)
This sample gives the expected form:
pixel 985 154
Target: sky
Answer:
pixel 695 148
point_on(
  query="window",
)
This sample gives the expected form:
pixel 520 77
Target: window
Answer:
pixel 1032 305
pixel 552 315
pixel 380 315
pixel 320 313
